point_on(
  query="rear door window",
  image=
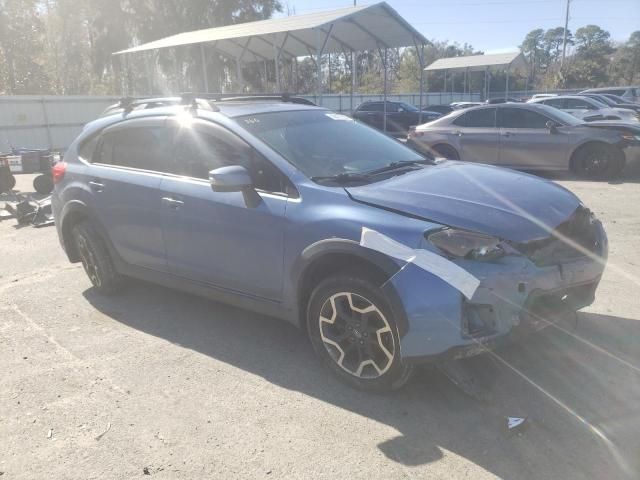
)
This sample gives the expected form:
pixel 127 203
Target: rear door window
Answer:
pixel 144 148
pixel 521 118
pixel 555 102
pixel 482 118
pixel 579 104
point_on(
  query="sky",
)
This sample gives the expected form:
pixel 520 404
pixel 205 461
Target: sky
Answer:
pixel 498 25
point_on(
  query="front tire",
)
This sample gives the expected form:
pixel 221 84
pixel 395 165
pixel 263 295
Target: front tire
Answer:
pixel 351 327
pixel 95 259
pixel 447 151
pixel 598 161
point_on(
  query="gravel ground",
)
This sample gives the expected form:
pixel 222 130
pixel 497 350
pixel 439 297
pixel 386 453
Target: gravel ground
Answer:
pixel 155 382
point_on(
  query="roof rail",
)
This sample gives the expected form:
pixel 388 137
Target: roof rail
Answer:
pixel 280 97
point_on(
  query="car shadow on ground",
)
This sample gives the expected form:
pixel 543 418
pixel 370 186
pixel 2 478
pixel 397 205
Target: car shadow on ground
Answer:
pixel 550 378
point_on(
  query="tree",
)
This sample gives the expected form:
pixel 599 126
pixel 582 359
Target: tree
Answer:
pixel 553 40
pixel 533 49
pixel 590 63
pixel 21 47
pixel 625 65
pixel 592 41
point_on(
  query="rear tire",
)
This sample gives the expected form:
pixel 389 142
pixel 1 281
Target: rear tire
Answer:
pixel 447 151
pixel 95 259
pixel 351 327
pixel 598 161
pixel 43 184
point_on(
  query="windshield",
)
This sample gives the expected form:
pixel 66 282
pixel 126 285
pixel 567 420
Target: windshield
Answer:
pixel 321 143
pixel 598 103
pixel 561 116
pixel 409 108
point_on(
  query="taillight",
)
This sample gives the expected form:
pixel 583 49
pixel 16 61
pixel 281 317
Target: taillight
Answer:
pixel 58 171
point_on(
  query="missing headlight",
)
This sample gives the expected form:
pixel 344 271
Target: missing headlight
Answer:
pixel 465 244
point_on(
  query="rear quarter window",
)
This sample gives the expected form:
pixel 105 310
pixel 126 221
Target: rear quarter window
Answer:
pixel 87 148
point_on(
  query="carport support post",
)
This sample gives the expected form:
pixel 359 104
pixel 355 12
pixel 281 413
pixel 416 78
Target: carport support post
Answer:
pixel 239 73
pixel 205 75
pixel 384 118
pixel 276 59
pixel 486 91
pixel 148 70
pixel 353 80
pixel 464 87
pixel 319 53
pixel 506 92
pixel 420 53
pixel 444 88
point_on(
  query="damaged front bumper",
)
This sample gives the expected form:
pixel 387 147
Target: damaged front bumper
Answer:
pixel 514 297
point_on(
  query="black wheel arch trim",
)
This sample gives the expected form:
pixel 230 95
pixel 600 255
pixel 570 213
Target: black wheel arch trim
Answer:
pixel 324 248
pixel 619 145
pixel 70 210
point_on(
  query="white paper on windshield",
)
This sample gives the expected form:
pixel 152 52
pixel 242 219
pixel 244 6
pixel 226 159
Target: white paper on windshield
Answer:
pixel 454 275
pixel 338 116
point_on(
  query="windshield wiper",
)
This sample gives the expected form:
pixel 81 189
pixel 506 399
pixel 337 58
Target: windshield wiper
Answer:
pixel 344 177
pixel 397 165
pixel 365 176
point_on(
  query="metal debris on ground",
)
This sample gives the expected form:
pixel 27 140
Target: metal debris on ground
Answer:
pixel 50 433
pixel 103 433
pixel 516 425
pixel 29 211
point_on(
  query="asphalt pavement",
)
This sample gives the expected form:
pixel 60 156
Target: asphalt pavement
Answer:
pixel 163 384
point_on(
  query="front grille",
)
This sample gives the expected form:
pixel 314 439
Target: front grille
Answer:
pixel 572 239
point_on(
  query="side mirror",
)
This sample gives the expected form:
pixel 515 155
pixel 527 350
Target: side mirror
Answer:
pixel 235 178
pixel 552 126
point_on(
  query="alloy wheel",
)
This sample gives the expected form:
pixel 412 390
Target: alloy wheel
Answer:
pixel 357 335
pixel 596 161
pixel 88 261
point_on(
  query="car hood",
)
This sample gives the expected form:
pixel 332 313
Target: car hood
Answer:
pixel 496 201
pixel 612 124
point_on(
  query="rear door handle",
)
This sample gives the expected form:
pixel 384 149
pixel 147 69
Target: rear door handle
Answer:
pixel 96 185
pixel 506 134
pixel 172 202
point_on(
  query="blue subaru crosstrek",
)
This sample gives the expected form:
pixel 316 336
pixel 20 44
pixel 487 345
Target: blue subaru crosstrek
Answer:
pixel 385 257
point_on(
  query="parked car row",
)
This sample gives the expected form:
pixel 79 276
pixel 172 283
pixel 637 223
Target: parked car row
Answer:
pixel 531 136
pixel 589 108
pixel 399 116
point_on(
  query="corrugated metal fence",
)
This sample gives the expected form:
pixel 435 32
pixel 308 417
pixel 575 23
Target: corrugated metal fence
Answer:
pixel 52 122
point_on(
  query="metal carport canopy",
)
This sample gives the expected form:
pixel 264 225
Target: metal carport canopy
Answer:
pixel 478 63
pixel 342 30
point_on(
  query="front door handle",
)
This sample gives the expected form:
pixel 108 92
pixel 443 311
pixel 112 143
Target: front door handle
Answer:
pixel 172 202
pixel 96 185
pixel 506 134
pixel 458 133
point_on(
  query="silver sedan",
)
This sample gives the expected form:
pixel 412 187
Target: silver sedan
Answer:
pixel 529 137
pixel 588 108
